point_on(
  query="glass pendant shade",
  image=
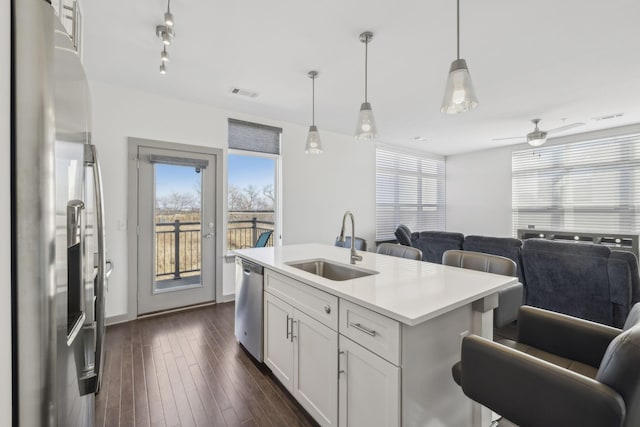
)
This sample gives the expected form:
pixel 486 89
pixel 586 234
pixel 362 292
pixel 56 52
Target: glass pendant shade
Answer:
pixel 366 128
pixel 459 95
pixel 314 144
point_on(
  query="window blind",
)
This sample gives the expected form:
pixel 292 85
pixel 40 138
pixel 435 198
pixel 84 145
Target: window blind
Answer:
pixel 409 190
pixel 254 137
pixel 590 186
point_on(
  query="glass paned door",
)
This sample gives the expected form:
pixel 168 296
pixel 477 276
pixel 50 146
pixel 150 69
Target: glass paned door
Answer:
pixel 176 228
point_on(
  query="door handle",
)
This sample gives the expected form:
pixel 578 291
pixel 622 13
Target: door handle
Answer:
pixel 208 235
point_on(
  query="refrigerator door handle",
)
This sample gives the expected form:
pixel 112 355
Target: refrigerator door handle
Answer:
pixel 91 161
pixel 109 263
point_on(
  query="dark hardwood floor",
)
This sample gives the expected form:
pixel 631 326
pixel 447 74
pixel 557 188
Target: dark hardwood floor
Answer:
pixel 186 369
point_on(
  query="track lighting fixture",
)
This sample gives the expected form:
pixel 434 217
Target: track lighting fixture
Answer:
pixel 314 144
pixel 366 127
pixel 165 33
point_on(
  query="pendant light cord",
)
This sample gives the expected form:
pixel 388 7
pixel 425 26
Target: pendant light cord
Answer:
pixel 366 52
pixel 169 6
pixel 458 20
pixel 313 100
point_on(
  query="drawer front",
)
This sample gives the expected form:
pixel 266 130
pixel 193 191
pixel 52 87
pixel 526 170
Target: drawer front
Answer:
pixel 313 302
pixel 371 330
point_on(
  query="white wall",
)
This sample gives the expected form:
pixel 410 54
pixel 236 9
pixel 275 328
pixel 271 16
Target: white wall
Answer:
pixel 478 192
pixel 316 189
pixel 5 213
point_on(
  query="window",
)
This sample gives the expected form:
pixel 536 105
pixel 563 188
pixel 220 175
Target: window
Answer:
pixel 252 183
pixel 409 190
pixel 590 186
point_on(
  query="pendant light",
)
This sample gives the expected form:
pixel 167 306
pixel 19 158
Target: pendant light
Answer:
pixel 366 127
pixel 459 95
pixel 314 145
pixel 164 55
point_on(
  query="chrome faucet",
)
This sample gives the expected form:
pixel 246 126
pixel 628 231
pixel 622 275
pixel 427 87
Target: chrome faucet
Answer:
pixel 354 255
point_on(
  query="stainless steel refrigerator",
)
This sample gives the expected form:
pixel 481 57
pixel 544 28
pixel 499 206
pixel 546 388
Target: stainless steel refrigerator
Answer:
pixel 59 269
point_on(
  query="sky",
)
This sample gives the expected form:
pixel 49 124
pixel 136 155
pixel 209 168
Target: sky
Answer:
pixel 250 170
pixel 243 171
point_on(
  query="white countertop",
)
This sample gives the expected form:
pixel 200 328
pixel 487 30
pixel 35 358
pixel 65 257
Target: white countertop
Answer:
pixel 405 290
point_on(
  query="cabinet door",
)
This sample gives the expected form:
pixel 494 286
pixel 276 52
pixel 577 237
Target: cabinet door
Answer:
pixel 369 388
pixel 315 383
pixel 278 345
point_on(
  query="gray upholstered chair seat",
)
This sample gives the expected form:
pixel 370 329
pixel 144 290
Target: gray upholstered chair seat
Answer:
pixel 401 251
pixel 563 362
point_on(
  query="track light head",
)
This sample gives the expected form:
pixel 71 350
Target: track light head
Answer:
pixel 168 19
pixel 165 34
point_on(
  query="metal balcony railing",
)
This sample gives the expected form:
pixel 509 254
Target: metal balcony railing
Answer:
pixel 178 244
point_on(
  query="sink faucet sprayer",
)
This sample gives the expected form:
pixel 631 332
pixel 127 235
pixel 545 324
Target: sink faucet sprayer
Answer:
pixel 354 255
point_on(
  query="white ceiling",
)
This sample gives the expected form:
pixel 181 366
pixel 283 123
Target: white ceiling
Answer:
pixel 550 59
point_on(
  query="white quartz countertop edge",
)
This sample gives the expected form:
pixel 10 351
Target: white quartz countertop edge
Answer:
pixel 378 292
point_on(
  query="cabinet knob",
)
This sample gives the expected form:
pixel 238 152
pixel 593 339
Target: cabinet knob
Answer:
pixel 327 309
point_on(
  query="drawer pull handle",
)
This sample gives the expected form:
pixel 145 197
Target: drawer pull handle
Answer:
pixel 327 309
pixel 289 333
pixel 364 329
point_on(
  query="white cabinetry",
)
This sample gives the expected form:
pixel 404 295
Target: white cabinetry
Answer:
pixel 370 388
pixel 300 349
pixel 369 393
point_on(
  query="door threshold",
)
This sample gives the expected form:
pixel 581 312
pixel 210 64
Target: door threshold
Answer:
pixel 175 310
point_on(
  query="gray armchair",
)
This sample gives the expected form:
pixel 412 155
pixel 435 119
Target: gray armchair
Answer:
pixel 509 299
pixel 562 371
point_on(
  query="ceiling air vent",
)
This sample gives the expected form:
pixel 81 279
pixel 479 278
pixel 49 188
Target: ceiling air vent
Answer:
pixel 608 117
pixel 243 92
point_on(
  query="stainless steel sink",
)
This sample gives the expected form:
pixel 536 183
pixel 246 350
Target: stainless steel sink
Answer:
pixel 331 270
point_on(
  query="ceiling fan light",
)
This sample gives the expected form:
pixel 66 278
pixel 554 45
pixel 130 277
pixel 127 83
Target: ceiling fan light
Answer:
pixel 459 95
pixel 537 138
pixel 366 128
pixel 314 144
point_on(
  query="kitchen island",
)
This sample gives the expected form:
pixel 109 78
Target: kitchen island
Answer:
pixel 377 349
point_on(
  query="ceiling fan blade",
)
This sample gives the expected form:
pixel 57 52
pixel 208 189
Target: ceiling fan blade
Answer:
pixel 565 127
pixel 504 139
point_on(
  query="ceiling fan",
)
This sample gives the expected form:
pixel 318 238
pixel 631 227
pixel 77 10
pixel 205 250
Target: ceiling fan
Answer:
pixel 538 137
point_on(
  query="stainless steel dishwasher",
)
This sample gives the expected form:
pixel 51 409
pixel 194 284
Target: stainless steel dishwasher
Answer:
pixel 249 311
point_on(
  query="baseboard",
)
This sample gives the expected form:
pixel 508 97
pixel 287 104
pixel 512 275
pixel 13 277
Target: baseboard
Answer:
pixel 120 318
pixel 227 298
